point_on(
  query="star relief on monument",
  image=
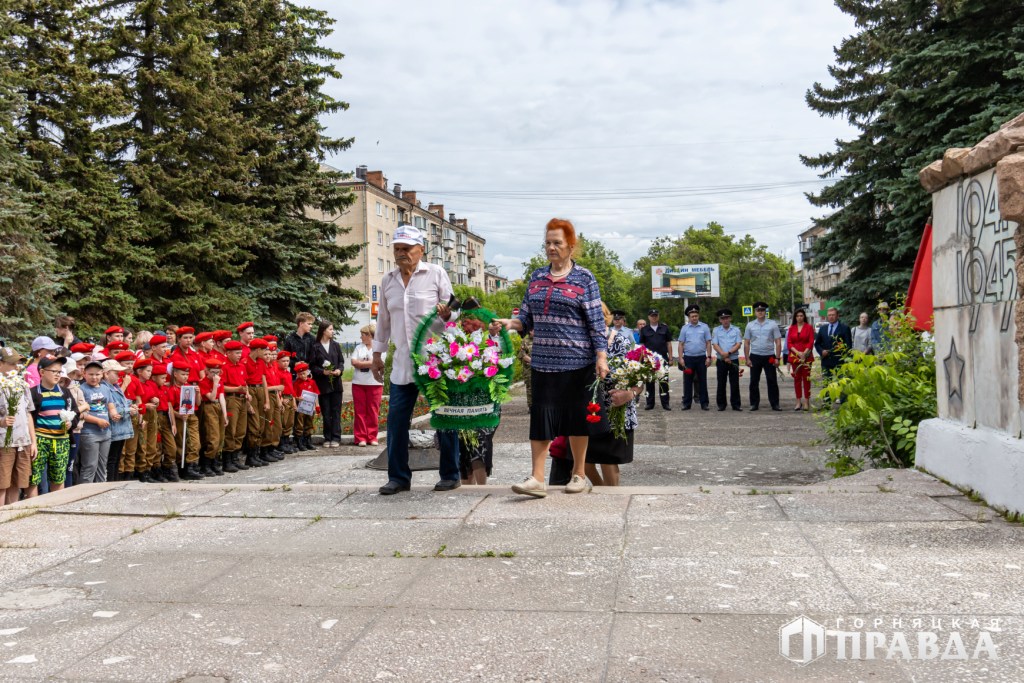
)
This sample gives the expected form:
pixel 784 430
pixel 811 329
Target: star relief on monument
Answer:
pixel 954 364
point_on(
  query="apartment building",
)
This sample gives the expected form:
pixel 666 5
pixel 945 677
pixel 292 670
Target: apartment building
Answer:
pixel 818 280
pixel 493 280
pixel 371 220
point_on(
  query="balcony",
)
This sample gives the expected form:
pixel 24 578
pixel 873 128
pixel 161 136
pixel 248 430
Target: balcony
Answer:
pixel 462 270
pixel 449 266
pixel 472 252
pixel 472 272
pixel 834 269
pixel 448 243
pixel 461 249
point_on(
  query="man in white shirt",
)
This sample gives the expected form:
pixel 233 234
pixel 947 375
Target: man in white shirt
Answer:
pixel 409 293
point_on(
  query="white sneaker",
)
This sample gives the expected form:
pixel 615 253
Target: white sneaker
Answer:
pixel 361 444
pixel 578 484
pixel 531 487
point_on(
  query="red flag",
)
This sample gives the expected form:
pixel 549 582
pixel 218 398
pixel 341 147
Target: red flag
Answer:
pixel 919 296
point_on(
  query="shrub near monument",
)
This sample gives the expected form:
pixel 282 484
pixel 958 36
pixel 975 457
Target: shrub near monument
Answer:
pixel 885 396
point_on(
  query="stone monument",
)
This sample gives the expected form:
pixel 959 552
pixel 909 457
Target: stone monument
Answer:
pixel 978 207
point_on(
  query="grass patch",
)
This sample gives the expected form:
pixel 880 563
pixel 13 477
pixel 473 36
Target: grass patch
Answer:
pixel 172 514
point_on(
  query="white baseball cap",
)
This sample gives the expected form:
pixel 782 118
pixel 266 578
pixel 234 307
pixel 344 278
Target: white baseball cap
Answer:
pixel 408 234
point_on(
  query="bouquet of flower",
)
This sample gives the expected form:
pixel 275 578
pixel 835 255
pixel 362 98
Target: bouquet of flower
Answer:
pixel 329 368
pixel 12 386
pixel 464 375
pixel 68 418
pixel 638 367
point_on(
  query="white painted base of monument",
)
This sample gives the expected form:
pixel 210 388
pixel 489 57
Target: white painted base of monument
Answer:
pixel 982 460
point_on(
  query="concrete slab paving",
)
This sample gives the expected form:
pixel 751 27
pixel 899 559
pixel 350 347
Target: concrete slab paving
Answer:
pixel 442 645
pixel 697 569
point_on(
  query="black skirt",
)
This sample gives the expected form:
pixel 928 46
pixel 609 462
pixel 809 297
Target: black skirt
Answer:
pixel 560 404
pixel 608 449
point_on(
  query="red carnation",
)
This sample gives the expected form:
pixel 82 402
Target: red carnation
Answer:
pixel 772 360
pixel 593 408
pixel 688 371
pixel 593 418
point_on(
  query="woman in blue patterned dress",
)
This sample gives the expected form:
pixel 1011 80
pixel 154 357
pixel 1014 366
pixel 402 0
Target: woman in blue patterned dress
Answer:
pixel 562 306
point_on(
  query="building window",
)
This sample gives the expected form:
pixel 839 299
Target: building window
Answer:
pixel 418 222
pixel 380 209
pixel 393 214
pixel 380 237
pixel 389 267
pixel 380 265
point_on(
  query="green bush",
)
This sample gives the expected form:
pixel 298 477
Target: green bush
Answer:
pixel 885 396
pixel 519 369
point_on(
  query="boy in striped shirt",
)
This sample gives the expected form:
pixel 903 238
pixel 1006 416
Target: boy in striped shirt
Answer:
pixel 52 440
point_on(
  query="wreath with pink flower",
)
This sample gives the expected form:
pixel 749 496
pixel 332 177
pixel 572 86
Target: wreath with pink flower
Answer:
pixel 464 375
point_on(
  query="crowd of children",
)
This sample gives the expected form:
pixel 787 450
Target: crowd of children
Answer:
pixel 181 406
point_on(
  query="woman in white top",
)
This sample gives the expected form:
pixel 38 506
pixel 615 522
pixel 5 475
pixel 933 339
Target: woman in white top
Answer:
pixel 862 335
pixel 366 391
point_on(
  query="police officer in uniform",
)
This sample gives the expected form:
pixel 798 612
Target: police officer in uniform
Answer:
pixel 656 337
pixel 694 358
pixel 726 340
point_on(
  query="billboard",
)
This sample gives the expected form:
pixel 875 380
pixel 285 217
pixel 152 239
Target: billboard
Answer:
pixel 685 282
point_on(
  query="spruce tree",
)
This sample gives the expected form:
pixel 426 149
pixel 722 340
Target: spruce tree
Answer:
pixel 29 275
pixel 273 59
pixel 181 152
pixel 52 48
pixel 918 77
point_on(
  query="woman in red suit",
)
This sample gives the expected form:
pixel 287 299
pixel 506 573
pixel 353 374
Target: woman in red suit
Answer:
pixel 800 341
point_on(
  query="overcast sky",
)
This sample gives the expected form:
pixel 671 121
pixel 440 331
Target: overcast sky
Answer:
pixel 634 119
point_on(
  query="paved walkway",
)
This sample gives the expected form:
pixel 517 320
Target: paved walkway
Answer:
pixel 278 580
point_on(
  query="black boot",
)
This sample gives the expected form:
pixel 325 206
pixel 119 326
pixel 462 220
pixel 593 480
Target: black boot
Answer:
pixel 304 443
pixel 228 465
pixel 238 461
pixel 156 475
pixel 269 454
pixel 290 446
pixel 252 459
pixel 144 477
pixel 204 466
pixel 215 467
pixel 191 472
pixel 171 474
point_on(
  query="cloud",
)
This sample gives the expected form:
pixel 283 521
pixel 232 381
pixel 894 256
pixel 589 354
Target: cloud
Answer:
pixel 539 107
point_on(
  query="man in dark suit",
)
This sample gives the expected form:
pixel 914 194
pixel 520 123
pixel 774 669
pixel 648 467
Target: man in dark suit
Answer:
pixel 832 342
pixel 657 337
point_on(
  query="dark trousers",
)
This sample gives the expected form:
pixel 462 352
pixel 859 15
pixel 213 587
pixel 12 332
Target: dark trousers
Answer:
pixel 330 411
pixel 400 407
pixel 698 377
pixel 728 372
pixel 759 364
pixel 663 390
pixel 114 458
pixel 72 460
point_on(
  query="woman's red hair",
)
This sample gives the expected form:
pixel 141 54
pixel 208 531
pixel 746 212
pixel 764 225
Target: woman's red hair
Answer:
pixel 568 231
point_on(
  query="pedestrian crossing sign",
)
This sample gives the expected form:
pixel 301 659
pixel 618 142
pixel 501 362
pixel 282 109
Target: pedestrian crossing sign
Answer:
pixel 748 311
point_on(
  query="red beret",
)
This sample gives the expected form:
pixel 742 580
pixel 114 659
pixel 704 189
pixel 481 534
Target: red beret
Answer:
pixel 185 330
pixel 299 367
pixel 214 362
pixel 159 369
pixel 284 354
pixel 116 346
pixel 221 335
pixel 233 345
pixel 82 347
pixel 143 363
pixel 157 339
pixel 269 338
pixel 114 329
pixel 125 355
pixel 245 325
pixel 258 344
pixel 203 336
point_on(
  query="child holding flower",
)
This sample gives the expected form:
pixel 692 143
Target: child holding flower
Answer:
pixel 54 415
